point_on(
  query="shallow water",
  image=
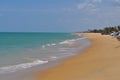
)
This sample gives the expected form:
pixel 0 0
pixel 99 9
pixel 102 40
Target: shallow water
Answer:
pixel 33 54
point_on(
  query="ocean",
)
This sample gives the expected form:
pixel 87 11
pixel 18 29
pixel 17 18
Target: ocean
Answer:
pixel 21 52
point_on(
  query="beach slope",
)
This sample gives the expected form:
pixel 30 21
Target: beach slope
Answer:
pixel 101 61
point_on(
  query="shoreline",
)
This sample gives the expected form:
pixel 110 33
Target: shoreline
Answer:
pixel 101 61
pixel 77 46
pixel 43 58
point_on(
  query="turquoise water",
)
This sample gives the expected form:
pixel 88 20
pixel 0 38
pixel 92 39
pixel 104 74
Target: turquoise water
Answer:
pixel 13 43
pixel 24 52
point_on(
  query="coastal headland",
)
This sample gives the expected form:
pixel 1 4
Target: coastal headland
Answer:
pixel 100 61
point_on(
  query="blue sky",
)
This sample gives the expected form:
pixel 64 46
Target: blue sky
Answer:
pixel 57 15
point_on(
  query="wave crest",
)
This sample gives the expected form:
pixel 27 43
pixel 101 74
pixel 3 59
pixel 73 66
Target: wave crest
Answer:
pixel 14 68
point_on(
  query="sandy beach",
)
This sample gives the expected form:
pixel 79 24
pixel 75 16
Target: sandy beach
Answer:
pixel 101 61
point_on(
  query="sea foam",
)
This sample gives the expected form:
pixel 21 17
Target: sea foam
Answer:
pixel 22 66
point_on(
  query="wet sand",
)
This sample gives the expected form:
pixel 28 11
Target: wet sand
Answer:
pixel 101 61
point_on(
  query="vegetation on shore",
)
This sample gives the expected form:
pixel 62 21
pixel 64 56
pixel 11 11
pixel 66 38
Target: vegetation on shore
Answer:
pixel 106 30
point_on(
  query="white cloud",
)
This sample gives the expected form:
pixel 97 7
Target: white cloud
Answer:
pixel 97 1
pixel 118 1
pixel 93 11
pixel 81 6
pixel 85 6
pixel 89 7
pixel 114 3
pixel 89 4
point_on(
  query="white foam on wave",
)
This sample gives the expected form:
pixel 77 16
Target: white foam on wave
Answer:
pixel 71 41
pixel 15 68
pixel 53 44
pixel 66 42
pixel 48 45
pixel 53 58
pixel 43 46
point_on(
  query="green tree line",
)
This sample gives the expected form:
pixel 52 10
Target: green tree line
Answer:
pixel 106 30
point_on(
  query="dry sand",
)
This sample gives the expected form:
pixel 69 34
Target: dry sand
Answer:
pixel 101 61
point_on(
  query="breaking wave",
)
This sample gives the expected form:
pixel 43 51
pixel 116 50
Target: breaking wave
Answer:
pixel 22 66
